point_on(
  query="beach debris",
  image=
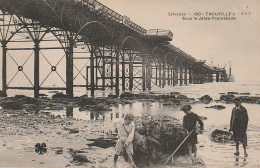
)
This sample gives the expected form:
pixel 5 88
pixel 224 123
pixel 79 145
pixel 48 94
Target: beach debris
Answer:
pixel 218 107
pixel 221 136
pixel 40 148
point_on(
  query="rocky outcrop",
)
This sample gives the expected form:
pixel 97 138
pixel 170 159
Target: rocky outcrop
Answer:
pixel 221 136
pixel 159 138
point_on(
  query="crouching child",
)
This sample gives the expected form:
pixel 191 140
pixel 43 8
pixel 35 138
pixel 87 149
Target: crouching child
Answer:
pixel 126 131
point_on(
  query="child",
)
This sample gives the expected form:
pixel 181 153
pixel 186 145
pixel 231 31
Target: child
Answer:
pixel 189 123
pixel 126 132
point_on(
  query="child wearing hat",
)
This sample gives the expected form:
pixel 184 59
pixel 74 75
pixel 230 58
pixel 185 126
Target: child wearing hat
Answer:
pixel 189 123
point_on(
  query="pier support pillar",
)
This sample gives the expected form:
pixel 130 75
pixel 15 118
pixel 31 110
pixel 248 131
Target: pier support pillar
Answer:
pixel 112 70
pixel 131 68
pixel 148 75
pixel 217 76
pixel 69 70
pixel 4 84
pixel 117 71
pixel 92 73
pixel 36 87
pixel 160 75
pixel 186 76
pixel 168 72
pixel 143 74
pixel 164 75
pixel 156 75
pixel 190 76
pixel 181 75
pixel 176 75
pixel 123 71
pixel 103 73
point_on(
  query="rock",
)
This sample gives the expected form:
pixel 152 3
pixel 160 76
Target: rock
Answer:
pixel 247 93
pixel 12 104
pixel 59 152
pixel 43 95
pixel 20 96
pixel 112 96
pixel 218 107
pixel 205 99
pixel 74 131
pixel 59 95
pixel 247 99
pixel 221 136
pixel 158 139
pixel 232 93
pixel 175 93
pixel 80 158
pixel 182 97
pixel 227 98
pixel 103 142
pixel 127 95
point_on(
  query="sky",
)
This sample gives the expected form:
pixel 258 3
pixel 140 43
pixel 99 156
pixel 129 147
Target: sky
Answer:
pixel 234 42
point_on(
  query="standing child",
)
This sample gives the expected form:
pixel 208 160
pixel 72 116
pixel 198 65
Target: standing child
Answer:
pixel 126 132
pixel 189 123
pixel 238 124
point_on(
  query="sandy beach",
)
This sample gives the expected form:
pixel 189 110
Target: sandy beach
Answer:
pixel 68 139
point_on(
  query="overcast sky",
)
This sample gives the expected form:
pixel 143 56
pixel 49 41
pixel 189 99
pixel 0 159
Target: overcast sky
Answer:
pixel 220 41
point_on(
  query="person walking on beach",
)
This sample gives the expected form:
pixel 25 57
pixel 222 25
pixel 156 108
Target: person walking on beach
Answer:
pixel 126 131
pixel 189 123
pixel 238 125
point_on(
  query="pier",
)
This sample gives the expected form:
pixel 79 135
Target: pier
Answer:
pixel 105 50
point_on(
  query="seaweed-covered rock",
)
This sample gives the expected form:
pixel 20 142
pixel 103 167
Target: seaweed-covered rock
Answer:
pixel 127 95
pixel 13 105
pixel 160 139
pixel 218 107
pixel 206 97
pixel 227 98
pixel 182 97
pixel 59 95
pixel 249 99
pixel 221 136
pixel 175 93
